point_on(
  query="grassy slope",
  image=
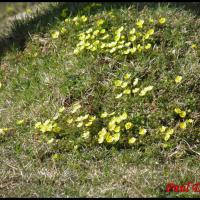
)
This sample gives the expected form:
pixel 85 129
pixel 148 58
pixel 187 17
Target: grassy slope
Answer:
pixel 36 81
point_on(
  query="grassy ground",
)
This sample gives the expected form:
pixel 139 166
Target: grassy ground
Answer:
pixel 40 74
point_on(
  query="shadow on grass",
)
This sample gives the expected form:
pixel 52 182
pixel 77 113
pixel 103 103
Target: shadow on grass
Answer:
pixel 21 29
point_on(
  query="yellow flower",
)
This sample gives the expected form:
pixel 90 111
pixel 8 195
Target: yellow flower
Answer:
pixel 69 121
pixel 142 131
pixel 124 116
pixel 76 107
pixel 182 125
pixel 75 19
pixel 142 93
pixel 109 138
pixel 111 126
pixel 55 34
pixel 140 23
pixel 96 42
pixel 133 50
pixel 0 84
pixel 112 44
pixel 84 18
pixel 178 79
pixel 189 120
pixel 194 46
pixel 135 90
pixel 56 128
pixel 167 136
pixel 19 122
pixel 151 20
pixel 47 126
pixel 88 124
pixel 162 20
pixel 38 125
pixel 124 84
pixel 55 156
pixel 102 31
pixel 170 131
pixel 104 115
pixel 100 140
pixel 132 31
pixel 117 129
pixel 148 88
pixel 85 116
pixel 146 36
pixel 61 109
pixel 182 114
pixel 148 46
pixel 102 45
pixel 80 124
pixel 132 140
pixel 126 51
pixel 56 116
pixel 150 31
pixel 128 125
pixel 50 141
pixel 162 129
pixel 80 118
pixel 119 96
pixel 177 110
pixel 118 83
pixel 105 37
pixel 127 91
pixel 86 134
pixel 92 118
pixel 67 20
pixel 89 30
pixel 102 133
pixel 117 37
pixel 127 76
pixel 111 113
pixel 119 30
pixel 96 32
pixel 127 44
pixel 100 22
pixel 135 82
pixel 132 38
pixel 63 30
pixel 94 48
pixel 113 50
pixel 116 137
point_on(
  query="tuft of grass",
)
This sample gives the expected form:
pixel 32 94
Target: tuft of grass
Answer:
pixel 40 74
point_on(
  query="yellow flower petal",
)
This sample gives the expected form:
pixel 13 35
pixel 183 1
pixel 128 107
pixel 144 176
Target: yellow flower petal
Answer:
pixel 182 114
pixel 182 125
pixel 127 91
pixel 178 79
pixel 117 129
pixel 55 34
pixel 162 20
pixel 135 90
pixel 162 129
pixel 142 131
pixel 132 140
pixel 127 76
pixel 128 125
pixel 86 134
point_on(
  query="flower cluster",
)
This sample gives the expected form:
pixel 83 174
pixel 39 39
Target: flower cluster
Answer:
pixel 128 86
pixel 124 40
